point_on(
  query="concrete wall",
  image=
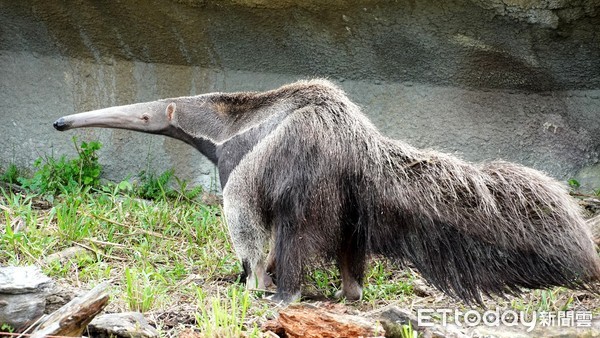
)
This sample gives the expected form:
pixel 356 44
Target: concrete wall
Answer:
pixel 516 80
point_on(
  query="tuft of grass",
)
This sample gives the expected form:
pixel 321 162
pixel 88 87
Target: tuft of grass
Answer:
pixel 71 225
pixel 21 241
pixel 408 331
pixel 6 328
pixel 573 184
pixel 154 187
pixel 324 280
pixel 11 174
pixel 140 290
pixel 56 176
pixel 225 316
pixel 556 299
pixel 384 282
pixel 161 187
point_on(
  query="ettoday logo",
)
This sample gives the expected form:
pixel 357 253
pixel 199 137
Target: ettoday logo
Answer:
pixel 497 317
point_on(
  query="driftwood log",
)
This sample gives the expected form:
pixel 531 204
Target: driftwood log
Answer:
pixel 310 321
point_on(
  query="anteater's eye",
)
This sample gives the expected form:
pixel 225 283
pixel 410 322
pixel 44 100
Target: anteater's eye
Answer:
pixel 145 118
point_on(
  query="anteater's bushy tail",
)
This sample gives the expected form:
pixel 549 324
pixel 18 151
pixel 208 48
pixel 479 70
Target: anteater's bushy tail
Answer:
pixel 472 230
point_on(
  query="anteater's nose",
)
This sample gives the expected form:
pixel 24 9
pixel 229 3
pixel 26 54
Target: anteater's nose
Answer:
pixel 60 124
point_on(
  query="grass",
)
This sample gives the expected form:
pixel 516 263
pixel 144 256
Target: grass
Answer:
pixel 174 258
pixel 170 257
pixel 226 315
pixel 408 332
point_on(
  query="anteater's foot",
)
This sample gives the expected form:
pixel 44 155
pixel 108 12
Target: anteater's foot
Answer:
pixel 351 292
pixel 284 298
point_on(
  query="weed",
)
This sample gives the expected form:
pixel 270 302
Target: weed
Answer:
pixel 140 291
pixel 574 184
pixel 184 192
pixel 225 316
pixel 545 301
pixel 6 328
pixel 408 332
pixel 325 280
pixel 11 174
pixel 154 187
pixel 63 176
pixel 384 282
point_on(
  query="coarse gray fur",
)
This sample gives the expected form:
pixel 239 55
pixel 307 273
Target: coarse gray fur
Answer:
pixel 307 171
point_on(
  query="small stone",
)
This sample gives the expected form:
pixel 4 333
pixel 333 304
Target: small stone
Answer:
pixel 128 324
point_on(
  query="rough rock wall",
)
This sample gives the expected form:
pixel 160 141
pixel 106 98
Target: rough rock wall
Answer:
pixel 511 79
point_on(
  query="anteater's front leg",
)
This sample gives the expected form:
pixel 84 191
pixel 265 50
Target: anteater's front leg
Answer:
pixel 250 238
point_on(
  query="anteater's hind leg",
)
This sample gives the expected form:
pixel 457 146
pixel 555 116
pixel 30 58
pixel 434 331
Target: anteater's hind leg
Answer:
pixel 351 262
pixel 291 249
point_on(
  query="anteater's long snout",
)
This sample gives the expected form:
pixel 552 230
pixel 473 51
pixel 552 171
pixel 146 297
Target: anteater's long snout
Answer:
pixel 61 124
pixel 145 117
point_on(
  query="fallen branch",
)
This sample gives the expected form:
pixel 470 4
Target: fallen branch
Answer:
pixel 72 319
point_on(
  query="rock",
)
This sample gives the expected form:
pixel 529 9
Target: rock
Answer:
pixel 128 324
pixel 23 293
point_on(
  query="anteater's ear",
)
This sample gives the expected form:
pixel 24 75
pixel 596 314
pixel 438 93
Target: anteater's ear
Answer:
pixel 170 110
